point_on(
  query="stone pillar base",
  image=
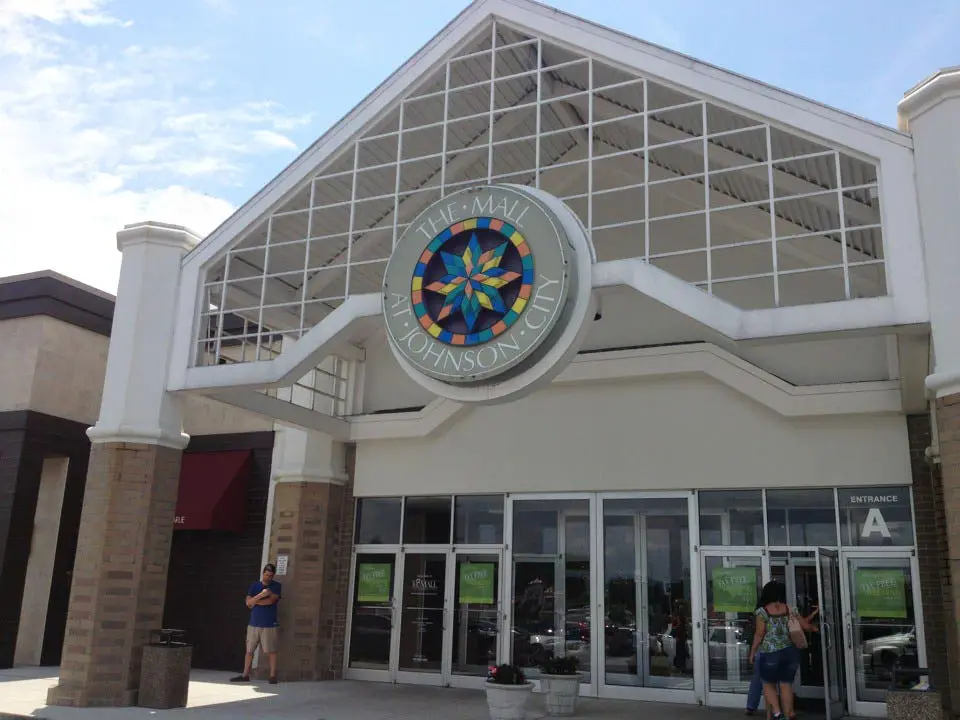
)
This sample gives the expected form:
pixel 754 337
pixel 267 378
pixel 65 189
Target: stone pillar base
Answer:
pixel 120 574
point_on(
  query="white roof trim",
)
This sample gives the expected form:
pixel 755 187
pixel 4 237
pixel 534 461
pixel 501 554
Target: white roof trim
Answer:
pixel 729 88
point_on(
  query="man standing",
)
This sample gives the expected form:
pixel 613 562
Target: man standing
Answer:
pixel 262 599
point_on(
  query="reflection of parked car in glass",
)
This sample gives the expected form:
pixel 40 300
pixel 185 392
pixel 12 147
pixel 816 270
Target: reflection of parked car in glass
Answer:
pixel 536 641
pixel 720 639
pixel 881 654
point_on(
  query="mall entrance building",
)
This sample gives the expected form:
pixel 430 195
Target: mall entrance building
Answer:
pixel 571 344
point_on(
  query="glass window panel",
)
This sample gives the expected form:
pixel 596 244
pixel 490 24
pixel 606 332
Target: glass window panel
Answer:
pixel 648 632
pixel 478 520
pixel 884 623
pixel 372 610
pixel 551 583
pixel 731 517
pixel 378 521
pixel 801 517
pixel 426 521
pixel 876 516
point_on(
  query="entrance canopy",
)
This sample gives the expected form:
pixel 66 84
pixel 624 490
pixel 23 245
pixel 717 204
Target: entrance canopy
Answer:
pixel 754 212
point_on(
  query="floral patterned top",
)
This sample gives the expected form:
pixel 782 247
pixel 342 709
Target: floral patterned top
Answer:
pixel 777 635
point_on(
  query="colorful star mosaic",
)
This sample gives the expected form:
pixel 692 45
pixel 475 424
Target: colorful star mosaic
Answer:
pixel 473 283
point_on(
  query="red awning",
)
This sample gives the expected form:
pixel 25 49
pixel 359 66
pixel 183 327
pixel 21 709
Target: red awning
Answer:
pixel 213 490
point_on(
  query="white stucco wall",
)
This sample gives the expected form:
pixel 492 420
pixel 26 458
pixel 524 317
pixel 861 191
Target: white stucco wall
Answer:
pixel 645 435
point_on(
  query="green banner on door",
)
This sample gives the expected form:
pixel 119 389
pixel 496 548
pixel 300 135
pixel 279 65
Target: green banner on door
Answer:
pixel 735 589
pixel 373 582
pixel 476 583
pixel 881 594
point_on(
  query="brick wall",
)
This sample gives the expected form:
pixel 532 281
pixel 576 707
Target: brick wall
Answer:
pixel 931 551
pixel 340 577
pixel 210 571
pixel 947 484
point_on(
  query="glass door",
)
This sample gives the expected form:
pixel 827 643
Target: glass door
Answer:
pixel 883 624
pixel 423 616
pixel 797 570
pixel 732 581
pixel 372 616
pixel 475 632
pixel 647 650
pixel 551 583
pixel 831 633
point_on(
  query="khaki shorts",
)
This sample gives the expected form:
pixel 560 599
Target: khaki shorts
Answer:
pixel 266 638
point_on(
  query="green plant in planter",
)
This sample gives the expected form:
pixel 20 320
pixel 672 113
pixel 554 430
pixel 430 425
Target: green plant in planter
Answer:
pixel 506 675
pixel 560 666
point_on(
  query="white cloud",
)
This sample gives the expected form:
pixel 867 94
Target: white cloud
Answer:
pixel 95 137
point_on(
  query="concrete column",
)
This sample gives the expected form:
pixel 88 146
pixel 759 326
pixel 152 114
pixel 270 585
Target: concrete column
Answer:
pixel 123 548
pixel 312 504
pixel 931 113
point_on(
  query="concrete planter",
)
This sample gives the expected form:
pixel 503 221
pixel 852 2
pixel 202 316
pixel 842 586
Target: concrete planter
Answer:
pixel 508 702
pixel 560 693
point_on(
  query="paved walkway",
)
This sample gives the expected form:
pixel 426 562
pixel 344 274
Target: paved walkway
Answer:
pixel 23 692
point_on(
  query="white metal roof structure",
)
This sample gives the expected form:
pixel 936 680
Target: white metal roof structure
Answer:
pixel 749 211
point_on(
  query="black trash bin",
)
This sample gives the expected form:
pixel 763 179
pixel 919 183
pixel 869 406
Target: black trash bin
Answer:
pixel 165 671
pixel 905 701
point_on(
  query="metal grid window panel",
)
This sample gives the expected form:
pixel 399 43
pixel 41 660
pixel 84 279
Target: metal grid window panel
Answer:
pixel 655 173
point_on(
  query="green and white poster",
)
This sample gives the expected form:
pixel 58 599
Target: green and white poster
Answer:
pixel 735 589
pixel 476 583
pixel 881 594
pixel 373 582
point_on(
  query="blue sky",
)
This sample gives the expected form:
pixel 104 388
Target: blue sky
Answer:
pixel 114 112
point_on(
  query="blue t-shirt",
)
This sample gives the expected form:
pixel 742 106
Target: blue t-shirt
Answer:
pixel 264 616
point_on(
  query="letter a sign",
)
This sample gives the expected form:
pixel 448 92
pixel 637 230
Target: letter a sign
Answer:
pixel 875 524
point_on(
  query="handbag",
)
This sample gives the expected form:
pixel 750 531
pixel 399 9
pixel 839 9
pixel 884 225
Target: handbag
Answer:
pixel 797 635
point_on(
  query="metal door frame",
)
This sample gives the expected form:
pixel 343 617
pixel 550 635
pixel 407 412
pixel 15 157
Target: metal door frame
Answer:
pixel 714 698
pixel 799 689
pixel 450 602
pixel 589 688
pixel 646 693
pixel 387 675
pixel 829 635
pixel 413 677
pixel 867 708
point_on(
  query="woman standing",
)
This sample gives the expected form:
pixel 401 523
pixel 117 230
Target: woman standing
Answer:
pixel 780 656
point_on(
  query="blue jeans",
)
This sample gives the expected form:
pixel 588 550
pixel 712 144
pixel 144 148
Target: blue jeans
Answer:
pixel 756 685
pixel 780 667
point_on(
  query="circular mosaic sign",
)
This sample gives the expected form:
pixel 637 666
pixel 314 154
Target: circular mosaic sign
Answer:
pixel 482 285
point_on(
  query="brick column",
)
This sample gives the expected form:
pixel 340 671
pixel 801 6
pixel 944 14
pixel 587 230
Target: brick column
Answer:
pixel 312 506
pixel 932 556
pixel 120 574
pixel 123 547
pixel 948 484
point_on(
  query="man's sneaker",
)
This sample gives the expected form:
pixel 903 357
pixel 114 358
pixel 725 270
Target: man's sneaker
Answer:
pixel 273 680
pixel 240 678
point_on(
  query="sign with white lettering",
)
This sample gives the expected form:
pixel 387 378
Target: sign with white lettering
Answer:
pixel 482 284
pixel 876 516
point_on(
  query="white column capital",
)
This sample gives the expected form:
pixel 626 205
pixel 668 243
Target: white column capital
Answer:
pixel 136 407
pixel 926 95
pixel 159 234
